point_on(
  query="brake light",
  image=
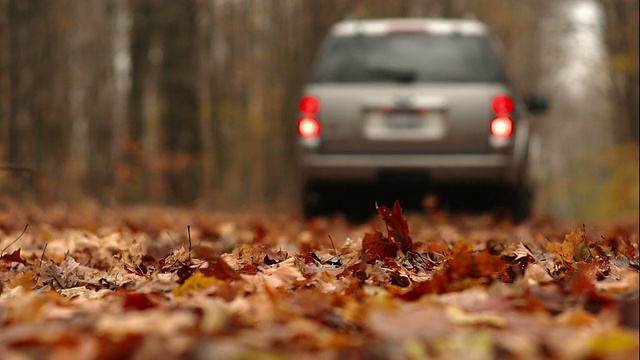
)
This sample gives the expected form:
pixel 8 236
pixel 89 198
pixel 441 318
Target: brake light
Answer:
pixel 502 127
pixel 502 105
pixel 309 127
pixel 310 105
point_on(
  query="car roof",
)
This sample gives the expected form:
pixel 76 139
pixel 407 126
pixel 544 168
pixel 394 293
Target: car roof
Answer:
pixel 391 25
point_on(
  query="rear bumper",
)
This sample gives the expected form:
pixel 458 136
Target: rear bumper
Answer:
pixel 449 168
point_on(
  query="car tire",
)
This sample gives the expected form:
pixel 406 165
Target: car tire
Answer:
pixel 352 200
pixel 311 203
pixel 521 201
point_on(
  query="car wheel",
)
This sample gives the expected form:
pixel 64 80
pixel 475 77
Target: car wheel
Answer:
pixel 521 201
pixel 312 199
pixel 352 200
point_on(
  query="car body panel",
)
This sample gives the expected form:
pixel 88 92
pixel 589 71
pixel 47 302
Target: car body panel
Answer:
pixel 349 112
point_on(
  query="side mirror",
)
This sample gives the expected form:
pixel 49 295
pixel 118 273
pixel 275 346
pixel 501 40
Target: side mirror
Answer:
pixel 537 104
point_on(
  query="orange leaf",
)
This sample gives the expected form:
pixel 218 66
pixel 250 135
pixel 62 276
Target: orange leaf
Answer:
pixel 439 284
pixel 572 248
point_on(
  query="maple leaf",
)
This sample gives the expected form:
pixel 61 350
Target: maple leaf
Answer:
pixel 573 248
pixel 397 226
pixel 63 276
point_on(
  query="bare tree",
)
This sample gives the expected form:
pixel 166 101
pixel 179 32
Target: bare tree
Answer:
pixel 621 39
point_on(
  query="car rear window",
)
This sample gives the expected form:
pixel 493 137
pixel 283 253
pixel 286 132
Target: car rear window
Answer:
pixel 408 57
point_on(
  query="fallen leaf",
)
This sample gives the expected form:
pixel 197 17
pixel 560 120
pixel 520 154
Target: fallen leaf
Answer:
pixel 573 248
pixel 397 226
pixel 522 252
pixel 60 277
pixel 271 257
pixel 195 282
pixel 13 257
pixel 440 283
pixel 467 287
pixel 484 318
pixel 140 302
pixel 284 274
pixel 218 268
pixel 378 247
pixel 613 343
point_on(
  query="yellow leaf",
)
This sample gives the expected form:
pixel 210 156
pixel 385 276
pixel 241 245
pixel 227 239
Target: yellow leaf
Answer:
pixel 616 341
pixel 195 282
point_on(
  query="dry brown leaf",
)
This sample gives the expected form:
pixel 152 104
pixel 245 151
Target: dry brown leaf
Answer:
pixel 63 276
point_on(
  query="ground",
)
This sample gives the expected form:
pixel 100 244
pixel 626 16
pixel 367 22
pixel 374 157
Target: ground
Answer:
pixel 86 282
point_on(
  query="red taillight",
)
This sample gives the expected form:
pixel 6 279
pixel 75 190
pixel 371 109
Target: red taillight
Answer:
pixel 502 105
pixel 308 127
pixel 310 105
pixel 502 127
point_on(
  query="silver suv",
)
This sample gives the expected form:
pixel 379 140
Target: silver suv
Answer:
pixel 411 99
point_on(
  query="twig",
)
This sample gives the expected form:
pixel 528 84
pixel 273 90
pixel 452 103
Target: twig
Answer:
pixel 189 232
pixel 14 241
pixel 363 267
pixel 335 252
pixel 42 256
pixel 40 263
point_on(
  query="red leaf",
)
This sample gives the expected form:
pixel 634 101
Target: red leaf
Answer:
pixel 184 272
pixel 140 302
pixel 13 257
pixel 439 284
pixel 378 247
pixel 220 269
pixel 397 226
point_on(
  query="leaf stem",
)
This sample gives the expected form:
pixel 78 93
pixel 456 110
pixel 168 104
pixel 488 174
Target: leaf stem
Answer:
pixel 14 241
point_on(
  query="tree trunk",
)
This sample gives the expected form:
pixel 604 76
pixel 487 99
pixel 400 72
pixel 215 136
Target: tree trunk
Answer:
pixel 621 40
pixel 178 88
pixel 27 64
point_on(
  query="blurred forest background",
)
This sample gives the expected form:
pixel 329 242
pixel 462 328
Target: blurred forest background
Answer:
pixel 194 102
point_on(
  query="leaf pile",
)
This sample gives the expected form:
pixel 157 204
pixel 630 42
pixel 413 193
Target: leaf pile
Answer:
pixel 90 283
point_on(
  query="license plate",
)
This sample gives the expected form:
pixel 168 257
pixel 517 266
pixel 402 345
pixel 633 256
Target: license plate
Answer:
pixel 405 126
pixel 404 121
